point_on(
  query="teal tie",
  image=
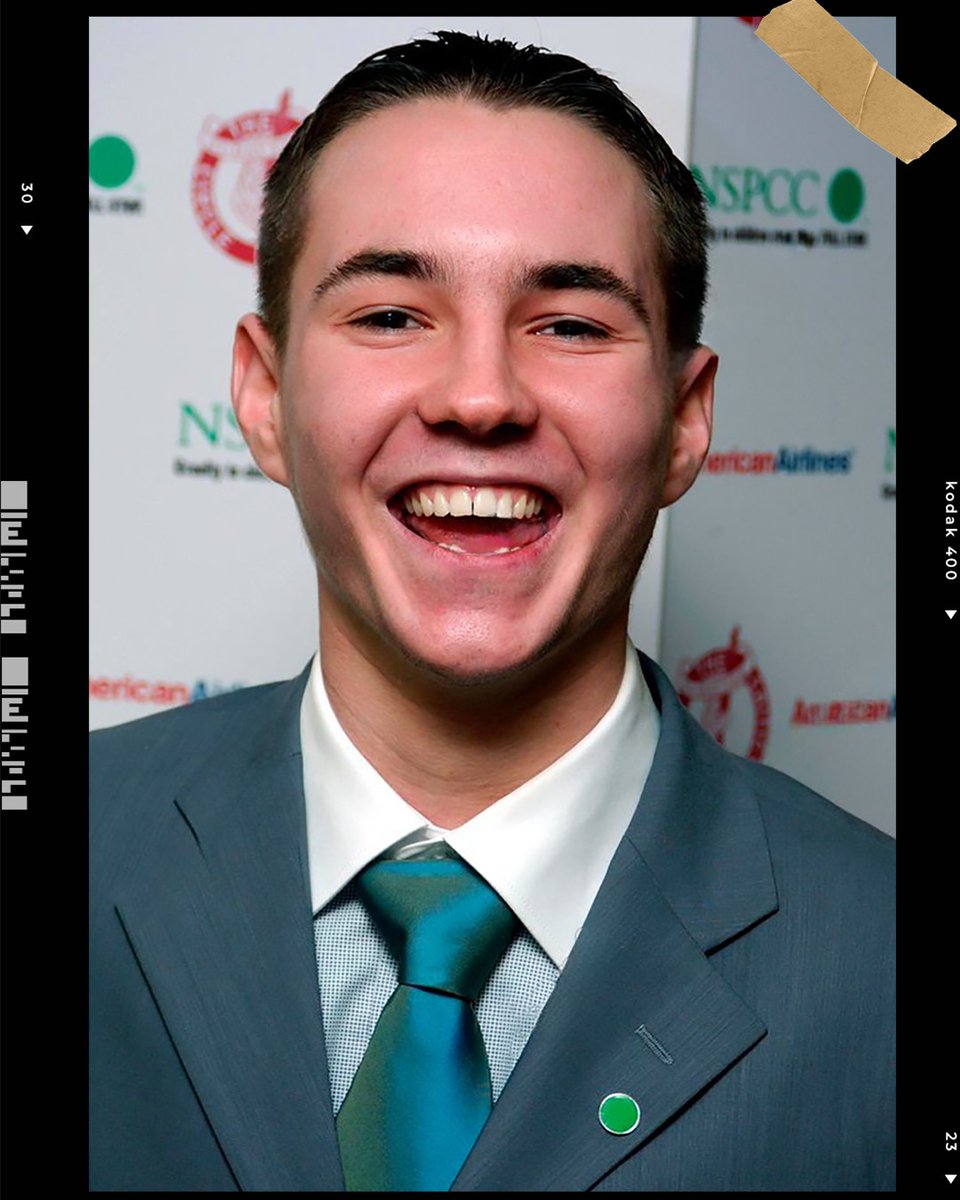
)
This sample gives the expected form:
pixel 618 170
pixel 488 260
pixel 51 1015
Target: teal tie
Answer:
pixel 422 1092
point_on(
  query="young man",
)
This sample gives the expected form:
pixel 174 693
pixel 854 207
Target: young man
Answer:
pixel 474 903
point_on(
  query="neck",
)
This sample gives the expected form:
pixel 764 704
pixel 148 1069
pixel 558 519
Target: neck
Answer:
pixel 449 750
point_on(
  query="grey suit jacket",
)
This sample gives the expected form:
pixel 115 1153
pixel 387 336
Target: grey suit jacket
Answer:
pixel 735 976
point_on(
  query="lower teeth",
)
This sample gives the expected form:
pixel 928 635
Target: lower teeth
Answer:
pixel 460 549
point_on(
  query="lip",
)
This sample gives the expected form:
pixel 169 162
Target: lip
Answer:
pixel 526 556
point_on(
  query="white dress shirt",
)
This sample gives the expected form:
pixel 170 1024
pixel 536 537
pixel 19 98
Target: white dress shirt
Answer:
pixel 545 848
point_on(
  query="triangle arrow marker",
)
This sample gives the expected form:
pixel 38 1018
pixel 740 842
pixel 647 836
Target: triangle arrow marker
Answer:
pixel 951 613
pixel 26 228
pixel 951 1178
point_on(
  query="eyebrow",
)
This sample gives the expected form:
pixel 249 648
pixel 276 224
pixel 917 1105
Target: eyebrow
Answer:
pixel 543 277
pixel 589 277
pixel 405 263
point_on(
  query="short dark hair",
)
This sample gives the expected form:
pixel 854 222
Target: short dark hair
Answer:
pixel 499 74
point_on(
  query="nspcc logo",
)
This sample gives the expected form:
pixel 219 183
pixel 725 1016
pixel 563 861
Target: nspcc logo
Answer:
pixel 112 167
pixel 782 192
pixel 210 444
pixel 783 206
pixel 227 184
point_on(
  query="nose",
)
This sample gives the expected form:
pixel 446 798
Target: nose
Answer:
pixel 479 389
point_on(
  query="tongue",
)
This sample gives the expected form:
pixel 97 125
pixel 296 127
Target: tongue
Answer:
pixel 478 535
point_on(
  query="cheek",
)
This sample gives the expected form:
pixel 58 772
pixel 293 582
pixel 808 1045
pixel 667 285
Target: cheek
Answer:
pixel 622 434
pixel 338 415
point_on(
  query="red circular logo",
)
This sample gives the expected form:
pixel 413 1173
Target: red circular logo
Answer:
pixel 227 184
pixel 713 681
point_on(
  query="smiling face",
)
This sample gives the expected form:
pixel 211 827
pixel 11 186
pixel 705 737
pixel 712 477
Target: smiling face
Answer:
pixel 476 325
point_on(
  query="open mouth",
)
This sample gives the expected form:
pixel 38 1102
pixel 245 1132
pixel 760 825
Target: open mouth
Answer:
pixel 477 520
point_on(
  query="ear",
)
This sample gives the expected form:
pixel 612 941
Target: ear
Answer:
pixel 255 390
pixel 692 422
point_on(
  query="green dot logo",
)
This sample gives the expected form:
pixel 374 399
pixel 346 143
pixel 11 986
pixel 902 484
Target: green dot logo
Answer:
pixel 619 1113
pixel 846 195
pixel 111 161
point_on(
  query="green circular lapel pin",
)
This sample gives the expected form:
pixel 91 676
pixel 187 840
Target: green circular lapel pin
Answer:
pixel 619 1113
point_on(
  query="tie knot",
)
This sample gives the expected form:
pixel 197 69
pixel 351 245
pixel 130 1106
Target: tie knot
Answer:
pixel 445 926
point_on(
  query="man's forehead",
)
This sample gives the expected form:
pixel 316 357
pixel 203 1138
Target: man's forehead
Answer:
pixel 467 120
pixel 423 148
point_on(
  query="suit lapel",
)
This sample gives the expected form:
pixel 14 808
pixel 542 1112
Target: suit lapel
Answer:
pixel 639 1008
pixel 220 923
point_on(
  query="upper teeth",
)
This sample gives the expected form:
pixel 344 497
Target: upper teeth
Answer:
pixel 446 501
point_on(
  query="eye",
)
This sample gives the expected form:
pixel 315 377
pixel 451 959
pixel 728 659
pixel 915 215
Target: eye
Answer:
pixel 572 330
pixel 390 320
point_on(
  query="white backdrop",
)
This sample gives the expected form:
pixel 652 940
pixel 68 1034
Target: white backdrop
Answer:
pixel 200 577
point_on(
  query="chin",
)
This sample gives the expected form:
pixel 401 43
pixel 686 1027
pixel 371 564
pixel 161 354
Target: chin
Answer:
pixel 469 657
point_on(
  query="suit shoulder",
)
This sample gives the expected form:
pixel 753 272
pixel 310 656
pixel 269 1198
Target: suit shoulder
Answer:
pixel 791 812
pixel 805 829
pixel 792 800
pixel 130 763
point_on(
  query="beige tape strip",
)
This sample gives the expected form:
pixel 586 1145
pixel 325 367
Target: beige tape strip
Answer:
pixel 848 77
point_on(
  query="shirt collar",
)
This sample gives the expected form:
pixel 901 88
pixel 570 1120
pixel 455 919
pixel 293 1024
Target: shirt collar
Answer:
pixel 545 847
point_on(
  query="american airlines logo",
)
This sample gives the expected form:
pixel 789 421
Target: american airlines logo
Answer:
pixel 787 460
